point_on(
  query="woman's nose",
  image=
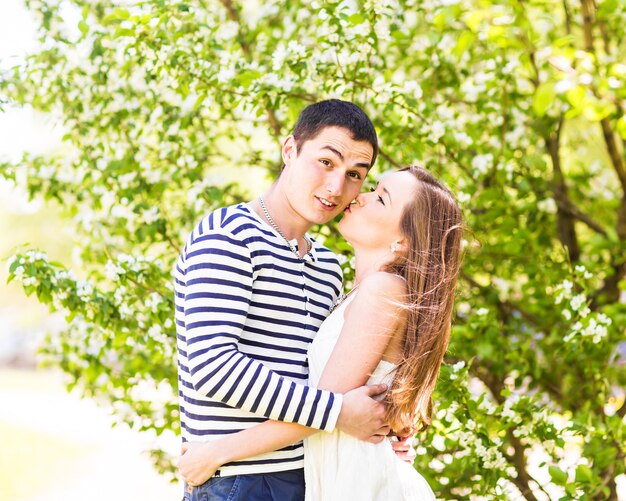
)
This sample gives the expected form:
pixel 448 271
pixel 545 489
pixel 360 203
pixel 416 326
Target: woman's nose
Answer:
pixel 360 199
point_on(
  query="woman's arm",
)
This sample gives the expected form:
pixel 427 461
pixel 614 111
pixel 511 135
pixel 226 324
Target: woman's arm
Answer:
pixel 373 318
pixel 200 461
pixel 371 321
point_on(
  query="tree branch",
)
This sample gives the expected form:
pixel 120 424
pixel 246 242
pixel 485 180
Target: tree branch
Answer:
pixel 611 146
pixel 587 11
pixel 233 15
pixel 609 288
pixel 565 222
pixel 568 207
pixel 603 31
pixel 505 307
pixel 568 17
pixel 389 159
pixel 518 458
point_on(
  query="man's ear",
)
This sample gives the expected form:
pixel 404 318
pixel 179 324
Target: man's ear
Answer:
pixel 289 151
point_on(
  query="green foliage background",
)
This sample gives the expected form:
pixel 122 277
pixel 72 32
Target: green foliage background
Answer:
pixel 517 105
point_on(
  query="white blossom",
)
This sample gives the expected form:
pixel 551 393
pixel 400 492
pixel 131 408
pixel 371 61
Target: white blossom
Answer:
pixel 562 86
pixel 84 290
pixel 150 215
pixel 227 30
pixel 463 139
pixel 482 163
pixel 458 366
pixel 225 75
pixel 463 198
pixel 413 88
pixel 153 301
pixel 577 301
pixel 437 130
pixel 18 273
pixel 125 311
pixel 547 205
pixel 279 57
pixel 118 296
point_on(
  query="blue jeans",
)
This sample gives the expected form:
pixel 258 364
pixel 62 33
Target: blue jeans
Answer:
pixel 279 486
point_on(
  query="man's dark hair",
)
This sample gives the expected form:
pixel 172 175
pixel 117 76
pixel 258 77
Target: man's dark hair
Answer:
pixel 335 113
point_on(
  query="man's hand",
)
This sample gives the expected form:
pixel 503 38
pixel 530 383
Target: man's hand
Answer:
pixel 404 448
pixel 197 463
pixel 363 417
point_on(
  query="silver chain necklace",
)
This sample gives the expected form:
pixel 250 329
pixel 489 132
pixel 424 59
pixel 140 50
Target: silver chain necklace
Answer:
pixel 341 299
pixel 275 226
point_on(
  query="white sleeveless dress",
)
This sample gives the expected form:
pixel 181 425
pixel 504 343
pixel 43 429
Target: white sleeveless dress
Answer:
pixel 337 466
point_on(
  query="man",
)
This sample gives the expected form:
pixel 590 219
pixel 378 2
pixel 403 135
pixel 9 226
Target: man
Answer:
pixel 251 291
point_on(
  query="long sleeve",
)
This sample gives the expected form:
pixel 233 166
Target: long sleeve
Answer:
pixel 216 273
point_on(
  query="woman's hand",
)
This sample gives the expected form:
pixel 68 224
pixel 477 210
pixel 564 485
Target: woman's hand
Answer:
pixel 404 447
pixel 198 462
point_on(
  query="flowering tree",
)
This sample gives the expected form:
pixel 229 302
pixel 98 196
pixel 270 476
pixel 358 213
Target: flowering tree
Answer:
pixel 518 106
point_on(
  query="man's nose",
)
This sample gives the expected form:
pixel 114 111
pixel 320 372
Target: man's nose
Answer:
pixel 335 183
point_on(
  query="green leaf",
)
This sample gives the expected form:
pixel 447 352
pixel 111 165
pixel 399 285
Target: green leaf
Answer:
pixel 120 13
pixel 576 95
pixel 123 32
pixel 116 16
pixel 465 40
pixel 583 473
pixel 597 110
pixel 200 99
pixel 559 476
pixel 544 97
pixel 474 19
pixel 83 27
pixel 356 19
pixel 608 7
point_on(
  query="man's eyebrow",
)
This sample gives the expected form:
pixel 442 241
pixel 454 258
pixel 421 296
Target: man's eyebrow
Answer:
pixel 334 150
pixel 360 165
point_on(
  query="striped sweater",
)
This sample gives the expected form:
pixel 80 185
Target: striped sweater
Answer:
pixel 247 309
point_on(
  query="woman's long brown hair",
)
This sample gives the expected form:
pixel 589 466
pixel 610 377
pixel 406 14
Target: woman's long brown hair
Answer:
pixel 432 226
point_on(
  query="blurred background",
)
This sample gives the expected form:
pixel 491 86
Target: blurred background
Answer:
pixel 54 444
pixel 172 108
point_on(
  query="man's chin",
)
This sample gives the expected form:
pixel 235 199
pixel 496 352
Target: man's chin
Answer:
pixel 327 217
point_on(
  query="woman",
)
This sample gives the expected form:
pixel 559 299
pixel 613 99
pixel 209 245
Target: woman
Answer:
pixel 393 327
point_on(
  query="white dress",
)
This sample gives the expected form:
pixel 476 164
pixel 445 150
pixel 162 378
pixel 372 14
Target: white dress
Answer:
pixel 338 467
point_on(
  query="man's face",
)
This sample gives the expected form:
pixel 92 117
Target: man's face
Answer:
pixel 326 175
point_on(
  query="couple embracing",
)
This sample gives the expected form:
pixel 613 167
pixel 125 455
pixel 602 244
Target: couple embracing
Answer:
pixel 289 390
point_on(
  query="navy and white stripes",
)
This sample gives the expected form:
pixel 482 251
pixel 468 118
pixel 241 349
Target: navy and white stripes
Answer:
pixel 246 310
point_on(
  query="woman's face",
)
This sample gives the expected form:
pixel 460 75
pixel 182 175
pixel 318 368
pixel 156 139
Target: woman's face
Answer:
pixel 374 221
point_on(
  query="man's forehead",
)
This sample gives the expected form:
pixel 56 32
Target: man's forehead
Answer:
pixel 341 140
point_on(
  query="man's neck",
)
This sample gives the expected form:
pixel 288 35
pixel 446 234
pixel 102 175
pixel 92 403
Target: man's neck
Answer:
pixel 288 221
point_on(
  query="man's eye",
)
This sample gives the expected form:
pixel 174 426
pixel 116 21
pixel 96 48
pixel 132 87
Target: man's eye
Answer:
pixel 354 175
pixel 326 162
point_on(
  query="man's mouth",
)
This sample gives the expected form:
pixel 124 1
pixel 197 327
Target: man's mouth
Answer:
pixel 326 203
